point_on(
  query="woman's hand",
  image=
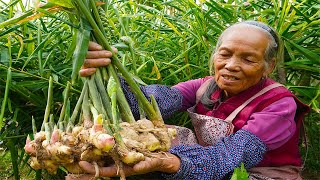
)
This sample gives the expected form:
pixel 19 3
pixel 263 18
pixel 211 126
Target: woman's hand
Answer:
pixel 96 57
pixel 166 162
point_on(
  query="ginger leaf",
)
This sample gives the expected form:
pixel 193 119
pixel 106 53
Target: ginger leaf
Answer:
pixel 240 173
pixel 63 3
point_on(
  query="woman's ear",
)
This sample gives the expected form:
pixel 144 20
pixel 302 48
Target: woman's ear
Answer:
pixel 211 63
pixel 270 67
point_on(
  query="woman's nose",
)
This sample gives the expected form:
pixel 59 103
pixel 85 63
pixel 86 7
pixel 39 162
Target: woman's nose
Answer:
pixel 232 64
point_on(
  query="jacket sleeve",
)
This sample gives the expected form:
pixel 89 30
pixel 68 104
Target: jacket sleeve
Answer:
pixel 189 90
pixel 215 162
pixel 280 125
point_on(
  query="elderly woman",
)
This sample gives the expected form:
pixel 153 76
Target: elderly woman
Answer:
pixel 239 114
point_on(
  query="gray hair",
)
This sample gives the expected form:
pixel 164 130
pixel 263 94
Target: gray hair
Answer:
pixel 273 50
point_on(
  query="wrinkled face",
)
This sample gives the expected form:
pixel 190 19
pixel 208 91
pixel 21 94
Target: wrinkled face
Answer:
pixel 239 61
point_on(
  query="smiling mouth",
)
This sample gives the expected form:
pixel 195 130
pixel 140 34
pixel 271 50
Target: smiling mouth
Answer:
pixel 231 78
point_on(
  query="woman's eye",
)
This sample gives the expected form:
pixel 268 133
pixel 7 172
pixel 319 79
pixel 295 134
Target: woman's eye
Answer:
pixel 249 60
pixel 224 54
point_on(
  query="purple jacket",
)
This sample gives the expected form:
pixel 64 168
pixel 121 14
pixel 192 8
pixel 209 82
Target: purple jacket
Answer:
pixel 280 126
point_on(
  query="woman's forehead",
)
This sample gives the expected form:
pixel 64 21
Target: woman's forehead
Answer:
pixel 245 36
pixel 245 29
pixel 246 41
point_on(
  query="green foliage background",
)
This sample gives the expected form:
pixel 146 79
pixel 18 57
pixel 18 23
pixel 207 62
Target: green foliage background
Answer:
pixel 171 42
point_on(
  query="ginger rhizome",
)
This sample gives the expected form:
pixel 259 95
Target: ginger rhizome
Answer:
pixel 99 137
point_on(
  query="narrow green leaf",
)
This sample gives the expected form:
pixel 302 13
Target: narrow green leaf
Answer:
pixel 80 51
pixel 12 3
pixel 221 10
pixel 9 30
pixel 315 58
pixel 15 20
pixel 172 26
pixel 72 46
pixel 41 45
pixel 63 3
pixel 4 101
pixel 23 16
pixel 21 46
pixel 149 9
pixel 307 92
pixel 55 17
pixel 14 158
pixel 39 32
pixel 303 15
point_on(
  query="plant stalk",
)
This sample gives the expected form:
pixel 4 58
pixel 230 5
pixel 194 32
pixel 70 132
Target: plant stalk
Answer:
pixel 34 127
pixel 79 102
pixel 87 121
pixel 123 103
pixel 95 97
pixel 49 101
pixel 65 101
pixel 103 41
pixel 103 93
pixel 159 122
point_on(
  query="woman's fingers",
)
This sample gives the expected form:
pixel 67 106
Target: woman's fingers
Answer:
pixel 115 50
pixel 96 57
pixel 96 51
pixel 88 167
pixel 98 54
pixel 89 66
pixel 93 63
pixel 110 171
pixel 166 162
pixel 87 72
pixel 146 166
pixel 79 177
pixel 162 162
pixel 93 46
